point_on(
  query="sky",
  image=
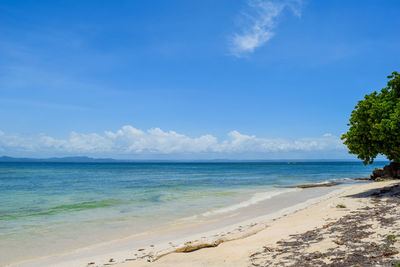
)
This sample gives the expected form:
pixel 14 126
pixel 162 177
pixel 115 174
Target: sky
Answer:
pixel 231 79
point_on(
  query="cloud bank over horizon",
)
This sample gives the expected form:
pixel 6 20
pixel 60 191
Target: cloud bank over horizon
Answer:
pixel 258 24
pixel 130 142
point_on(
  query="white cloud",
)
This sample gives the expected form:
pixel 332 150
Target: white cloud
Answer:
pixel 260 23
pixel 131 141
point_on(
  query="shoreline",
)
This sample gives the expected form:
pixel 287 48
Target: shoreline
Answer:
pixel 318 214
pixel 122 252
pixel 242 230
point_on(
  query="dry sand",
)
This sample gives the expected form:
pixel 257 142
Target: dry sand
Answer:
pixel 355 225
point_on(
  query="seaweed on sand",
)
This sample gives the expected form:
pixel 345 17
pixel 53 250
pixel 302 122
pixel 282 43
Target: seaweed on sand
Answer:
pixel 352 239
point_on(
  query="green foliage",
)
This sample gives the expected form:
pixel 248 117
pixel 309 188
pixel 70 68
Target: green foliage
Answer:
pixel 391 238
pixel 375 124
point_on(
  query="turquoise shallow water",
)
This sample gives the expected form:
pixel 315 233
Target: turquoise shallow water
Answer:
pixel 35 194
pixel 38 200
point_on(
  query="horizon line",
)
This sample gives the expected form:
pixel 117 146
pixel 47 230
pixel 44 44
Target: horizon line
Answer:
pixel 81 159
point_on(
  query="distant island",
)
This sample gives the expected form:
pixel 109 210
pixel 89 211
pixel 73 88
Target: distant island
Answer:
pixel 61 159
pixel 85 159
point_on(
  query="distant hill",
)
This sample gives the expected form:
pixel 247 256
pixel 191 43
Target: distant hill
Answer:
pixel 110 160
pixel 63 159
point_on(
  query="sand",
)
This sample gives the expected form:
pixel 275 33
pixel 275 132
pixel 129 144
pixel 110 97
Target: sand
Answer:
pixel 310 233
pixel 262 249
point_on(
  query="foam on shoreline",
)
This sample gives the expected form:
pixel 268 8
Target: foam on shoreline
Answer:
pixel 257 197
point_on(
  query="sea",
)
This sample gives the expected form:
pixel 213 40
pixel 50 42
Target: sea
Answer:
pixel 73 205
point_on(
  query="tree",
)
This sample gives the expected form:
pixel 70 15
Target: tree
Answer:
pixel 375 124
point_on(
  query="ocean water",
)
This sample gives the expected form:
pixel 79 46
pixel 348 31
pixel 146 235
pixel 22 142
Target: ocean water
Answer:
pixel 80 204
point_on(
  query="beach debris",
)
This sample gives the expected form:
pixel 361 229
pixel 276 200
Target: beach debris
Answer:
pixel 362 179
pixel 396 263
pixel 391 238
pixel 356 240
pixel 140 249
pixel 328 224
pixel 304 186
pixel 338 242
pixel 255 253
pixel 268 248
pixel 341 206
pixel 192 246
pixel 111 260
pixel 91 263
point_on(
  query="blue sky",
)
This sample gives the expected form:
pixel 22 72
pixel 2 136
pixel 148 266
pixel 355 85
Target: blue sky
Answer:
pixel 189 79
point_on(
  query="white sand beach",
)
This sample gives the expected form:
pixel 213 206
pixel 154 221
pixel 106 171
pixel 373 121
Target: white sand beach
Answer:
pixel 317 213
pixel 230 241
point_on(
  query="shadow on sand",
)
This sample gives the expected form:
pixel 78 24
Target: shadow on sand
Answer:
pixel 388 191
